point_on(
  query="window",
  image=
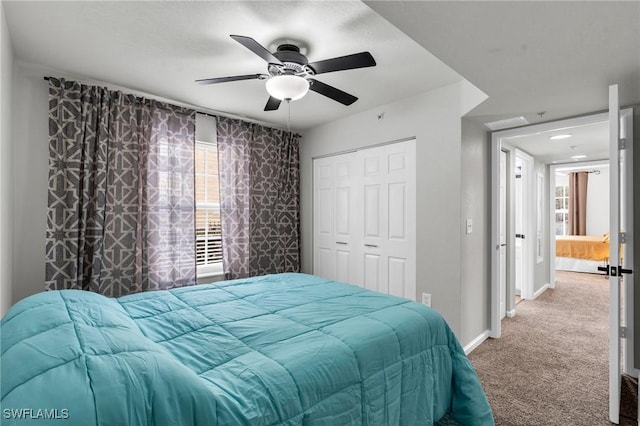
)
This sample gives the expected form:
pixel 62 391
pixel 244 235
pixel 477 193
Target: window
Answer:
pixel 208 229
pixel 562 209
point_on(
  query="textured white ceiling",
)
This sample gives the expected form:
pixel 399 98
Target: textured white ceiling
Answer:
pixel 557 57
pixel 531 56
pixel 161 47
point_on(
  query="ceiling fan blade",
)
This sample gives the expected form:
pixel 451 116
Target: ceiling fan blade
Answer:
pixel 233 78
pixel 272 104
pixel 349 62
pixel 256 48
pixel 331 92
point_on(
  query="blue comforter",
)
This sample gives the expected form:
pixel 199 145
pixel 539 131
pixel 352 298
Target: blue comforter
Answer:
pixel 285 349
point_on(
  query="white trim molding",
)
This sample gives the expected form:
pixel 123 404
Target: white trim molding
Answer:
pixel 476 342
pixel 511 313
pixel 541 290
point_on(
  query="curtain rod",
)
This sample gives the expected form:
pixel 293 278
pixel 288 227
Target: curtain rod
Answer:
pixel 594 171
pixel 200 111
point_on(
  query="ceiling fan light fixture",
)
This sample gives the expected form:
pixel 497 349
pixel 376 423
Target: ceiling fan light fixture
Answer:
pixel 287 87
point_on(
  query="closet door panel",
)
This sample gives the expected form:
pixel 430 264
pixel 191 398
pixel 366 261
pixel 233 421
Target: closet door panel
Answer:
pixel 401 241
pixel 343 210
pixel 398 277
pixel 372 211
pixel 343 266
pixel 372 268
pixel 323 219
pixel 397 211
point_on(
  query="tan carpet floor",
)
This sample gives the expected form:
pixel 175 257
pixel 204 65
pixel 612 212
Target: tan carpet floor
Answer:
pixel 551 365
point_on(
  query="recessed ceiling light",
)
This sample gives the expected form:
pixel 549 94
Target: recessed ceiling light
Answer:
pixel 577 157
pixel 558 137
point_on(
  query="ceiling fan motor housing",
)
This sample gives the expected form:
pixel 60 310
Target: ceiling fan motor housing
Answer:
pixel 295 63
pixel 290 53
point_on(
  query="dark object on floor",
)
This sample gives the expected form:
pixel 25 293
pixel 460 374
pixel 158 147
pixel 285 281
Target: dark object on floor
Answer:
pixel 629 399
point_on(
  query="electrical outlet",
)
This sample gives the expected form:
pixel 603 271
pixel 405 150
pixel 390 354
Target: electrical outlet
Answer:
pixel 426 299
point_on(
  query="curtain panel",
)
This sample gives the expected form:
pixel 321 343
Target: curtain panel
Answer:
pixel 578 203
pixel 121 204
pixel 259 171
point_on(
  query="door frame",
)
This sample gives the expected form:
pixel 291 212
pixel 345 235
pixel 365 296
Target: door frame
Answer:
pixel 552 211
pixel 497 143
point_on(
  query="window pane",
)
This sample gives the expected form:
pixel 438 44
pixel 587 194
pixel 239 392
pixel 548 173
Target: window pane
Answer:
pixel 200 188
pixel 213 194
pixel 208 229
pixel 558 191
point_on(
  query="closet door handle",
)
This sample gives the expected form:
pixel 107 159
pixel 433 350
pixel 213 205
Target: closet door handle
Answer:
pixel 341 242
pixel 371 245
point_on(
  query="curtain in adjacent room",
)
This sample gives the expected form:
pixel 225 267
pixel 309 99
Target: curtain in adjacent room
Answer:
pixel 121 209
pixel 578 203
pixel 259 198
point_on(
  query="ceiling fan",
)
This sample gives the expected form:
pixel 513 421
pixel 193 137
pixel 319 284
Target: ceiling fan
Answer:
pixel 290 75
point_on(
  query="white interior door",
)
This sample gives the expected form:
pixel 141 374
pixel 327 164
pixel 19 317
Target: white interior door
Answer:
pixel 519 213
pixel 346 218
pixel 621 246
pixel 503 234
pixel 334 217
pixel 388 200
pixel 323 222
pixel 365 218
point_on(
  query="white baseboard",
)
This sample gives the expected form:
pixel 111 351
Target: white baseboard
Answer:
pixel 511 314
pixel 476 342
pixel 542 290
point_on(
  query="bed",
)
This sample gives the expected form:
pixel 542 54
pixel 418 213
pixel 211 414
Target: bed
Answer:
pixel 582 253
pixel 285 349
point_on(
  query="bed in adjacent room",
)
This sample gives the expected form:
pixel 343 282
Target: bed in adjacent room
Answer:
pixel 284 349
pixel 582 253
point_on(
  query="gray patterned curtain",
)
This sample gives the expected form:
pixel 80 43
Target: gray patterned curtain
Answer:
pixel 259 198
pixel 121 209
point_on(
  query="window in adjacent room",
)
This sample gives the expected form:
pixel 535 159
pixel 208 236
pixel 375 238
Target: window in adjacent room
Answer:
pixel 208 235
pixel 562 209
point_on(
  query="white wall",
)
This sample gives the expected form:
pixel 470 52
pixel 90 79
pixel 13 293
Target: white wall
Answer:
pixel 30 174
pixel 433 118
pixel 598 202
pixel 476 260
pixel 6 229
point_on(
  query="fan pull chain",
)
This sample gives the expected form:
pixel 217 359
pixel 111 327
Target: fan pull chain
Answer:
pixel 288 116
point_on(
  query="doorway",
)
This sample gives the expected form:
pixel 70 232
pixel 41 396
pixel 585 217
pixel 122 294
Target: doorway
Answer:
pixel 517 221
pixel 538 203
pixel 617 149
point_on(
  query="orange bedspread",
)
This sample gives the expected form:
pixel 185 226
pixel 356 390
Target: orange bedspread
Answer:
pixel 582 247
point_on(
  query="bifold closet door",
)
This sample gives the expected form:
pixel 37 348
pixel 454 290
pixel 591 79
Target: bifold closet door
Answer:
pixel 389 219
pixel 364 218
pixel 335 218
